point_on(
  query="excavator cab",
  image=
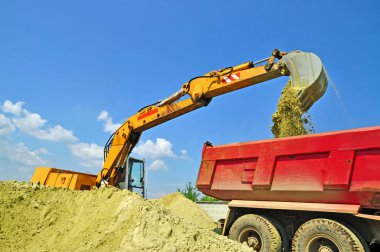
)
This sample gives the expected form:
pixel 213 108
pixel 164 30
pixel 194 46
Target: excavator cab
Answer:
pixel 133 176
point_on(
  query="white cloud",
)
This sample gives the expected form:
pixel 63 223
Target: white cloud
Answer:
pixel 23 155
pixel 103 116
pixel 43 151
pixel 20 154
pixel 34 125
pixel 184 153
pixel 18 161
pixel 6 125
pixel 86 150
pixel 158 165
pixel 91 154
pixel 109 126
pixel 154 150
pixel 13 108
pixel 29 121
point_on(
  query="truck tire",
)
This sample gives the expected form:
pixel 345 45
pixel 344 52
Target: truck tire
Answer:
pixel 320 235
pixel 284 236
pixel 258 232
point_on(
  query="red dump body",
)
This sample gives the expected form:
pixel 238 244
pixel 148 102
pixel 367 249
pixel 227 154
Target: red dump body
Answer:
pixel 339 167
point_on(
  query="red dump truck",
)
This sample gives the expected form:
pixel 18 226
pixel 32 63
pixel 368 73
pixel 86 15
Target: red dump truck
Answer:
pixel 319 192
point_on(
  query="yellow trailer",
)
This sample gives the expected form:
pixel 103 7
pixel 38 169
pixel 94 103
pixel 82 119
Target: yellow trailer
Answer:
pixel 63 178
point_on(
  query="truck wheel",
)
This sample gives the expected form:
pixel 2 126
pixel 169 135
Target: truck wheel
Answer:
pixel 284 236
pixel 325 235
pixel 258 232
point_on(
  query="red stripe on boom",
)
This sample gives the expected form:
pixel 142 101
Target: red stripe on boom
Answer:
pixel 149 113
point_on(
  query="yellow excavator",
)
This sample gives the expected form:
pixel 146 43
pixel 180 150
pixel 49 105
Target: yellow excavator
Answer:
pixel 307 75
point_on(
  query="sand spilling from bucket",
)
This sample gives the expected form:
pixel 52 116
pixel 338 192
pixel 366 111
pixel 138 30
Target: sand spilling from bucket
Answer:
pixel 35 218
pixel 290 119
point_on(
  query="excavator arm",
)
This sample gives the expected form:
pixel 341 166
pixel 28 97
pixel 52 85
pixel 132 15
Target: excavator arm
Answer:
pixel 307 75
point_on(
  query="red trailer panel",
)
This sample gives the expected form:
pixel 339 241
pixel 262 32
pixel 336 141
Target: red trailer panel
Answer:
pixel 339 168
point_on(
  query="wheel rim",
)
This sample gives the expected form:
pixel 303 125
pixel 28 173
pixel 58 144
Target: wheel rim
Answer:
pixel 323 243
pixel 252 237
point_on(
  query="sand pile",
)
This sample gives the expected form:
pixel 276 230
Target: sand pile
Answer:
pixel 34 218
pixel 290 119
pixel 180 206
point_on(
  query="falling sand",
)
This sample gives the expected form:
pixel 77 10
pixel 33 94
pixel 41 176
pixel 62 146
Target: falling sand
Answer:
pixel 290 119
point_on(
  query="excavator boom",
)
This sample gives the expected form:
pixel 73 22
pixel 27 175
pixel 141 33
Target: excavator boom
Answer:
pixel 305 69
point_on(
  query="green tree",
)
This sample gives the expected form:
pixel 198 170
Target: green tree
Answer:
pixel 208 198
pixel 190 192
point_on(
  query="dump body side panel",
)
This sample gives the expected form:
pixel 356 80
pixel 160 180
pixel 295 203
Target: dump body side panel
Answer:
pixel 338 168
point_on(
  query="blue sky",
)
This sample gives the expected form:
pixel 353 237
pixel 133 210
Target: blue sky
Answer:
pixel 64 62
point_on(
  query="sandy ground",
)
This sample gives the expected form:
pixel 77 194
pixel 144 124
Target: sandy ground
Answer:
pixel 35 218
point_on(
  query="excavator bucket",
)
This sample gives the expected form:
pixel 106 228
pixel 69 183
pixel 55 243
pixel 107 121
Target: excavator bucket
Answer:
pixel 307 75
